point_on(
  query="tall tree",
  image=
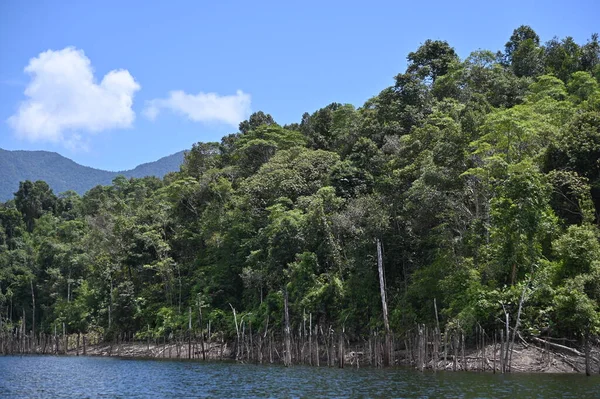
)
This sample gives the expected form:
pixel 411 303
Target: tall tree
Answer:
pixel 33 199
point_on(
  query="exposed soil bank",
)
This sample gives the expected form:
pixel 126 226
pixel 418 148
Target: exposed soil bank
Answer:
pixel 528 358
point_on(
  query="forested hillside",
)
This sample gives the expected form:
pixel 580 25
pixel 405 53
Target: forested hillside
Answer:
pixel 62 174
pixel 470 183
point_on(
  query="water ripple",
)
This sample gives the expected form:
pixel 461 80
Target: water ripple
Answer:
pixel 89 377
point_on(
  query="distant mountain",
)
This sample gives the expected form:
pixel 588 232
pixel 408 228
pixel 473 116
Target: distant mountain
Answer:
pixel 170 163
pixel 63 174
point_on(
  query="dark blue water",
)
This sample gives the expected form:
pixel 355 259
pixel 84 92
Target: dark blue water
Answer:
pixel 88 377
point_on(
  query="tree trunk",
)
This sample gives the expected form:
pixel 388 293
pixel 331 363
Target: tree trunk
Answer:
pixel 494 371
pixel 421 348
pixel 455 350
pixel 586 348
pixel 110 304
pixel 464 359
pixel 201 331
pixel 386 323
pixel 33 313
pixel 237 333
pixel 148 340
pixel 310 346
pixel 502 368
pixel 190 332
pixel 66 339
pixel 287 359
pixel 507 341
pixel 341 349
pixel 514 334
pixel 317 346
pixel 445 346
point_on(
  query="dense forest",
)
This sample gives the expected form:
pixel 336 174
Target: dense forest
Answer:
pixel 465 194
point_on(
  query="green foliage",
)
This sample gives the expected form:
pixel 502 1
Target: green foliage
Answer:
pixel 431 60
pixel 523 53
pixel 578 251
pixel 256 120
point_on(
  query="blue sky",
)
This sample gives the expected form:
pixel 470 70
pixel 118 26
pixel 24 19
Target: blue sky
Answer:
pixel 111 84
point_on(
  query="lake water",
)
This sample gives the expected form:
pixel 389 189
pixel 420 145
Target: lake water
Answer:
pixel 90 377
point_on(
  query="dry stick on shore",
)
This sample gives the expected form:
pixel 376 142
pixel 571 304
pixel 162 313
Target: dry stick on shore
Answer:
pixel 243 340
pixel 386 323
pixel 237 333
pixel 66 339
pixel 557 346
pixel 512 344
pixel 464 360
pixel 455 348
pixel 495 337
pixel 331 345
pixel 201 330
pixel 310 349
pixel 420 348
pixel 436 335
pixel 189 332
pixel 445 347
pixel 302 351
pixel 425 337
pixel 288 345
pixel 502 358
pixel 341 348
pixel 251 355
pixel 264 337
pixel 483 355
pixel 33 311
pixel 371 355
pixel 326 343
pixel 506 366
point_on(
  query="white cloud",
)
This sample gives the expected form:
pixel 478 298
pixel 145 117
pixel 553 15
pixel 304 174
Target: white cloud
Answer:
pixel 203 107
pixel 64 100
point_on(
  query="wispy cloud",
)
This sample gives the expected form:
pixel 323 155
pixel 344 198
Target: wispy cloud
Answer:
pixel 203 107
pixel 64 101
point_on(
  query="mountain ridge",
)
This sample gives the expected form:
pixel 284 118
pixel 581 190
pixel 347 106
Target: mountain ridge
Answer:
pixel 63 174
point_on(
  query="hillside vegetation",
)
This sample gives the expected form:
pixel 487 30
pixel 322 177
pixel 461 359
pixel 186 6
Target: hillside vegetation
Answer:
pixel 473 184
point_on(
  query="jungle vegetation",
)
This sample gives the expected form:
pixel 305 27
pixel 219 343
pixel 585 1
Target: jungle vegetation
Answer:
pixel 477 179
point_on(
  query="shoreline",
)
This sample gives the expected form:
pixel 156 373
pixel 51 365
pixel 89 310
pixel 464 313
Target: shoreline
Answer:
pixel 526 358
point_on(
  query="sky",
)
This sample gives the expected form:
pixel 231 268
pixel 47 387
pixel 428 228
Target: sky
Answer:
pixel 112 84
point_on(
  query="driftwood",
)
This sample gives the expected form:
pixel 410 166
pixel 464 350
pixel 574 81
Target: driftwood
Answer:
pixel 558 346
pixel 523 342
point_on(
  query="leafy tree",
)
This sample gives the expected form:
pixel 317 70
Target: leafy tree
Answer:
pixel 523 52
pixel 258 146
pixel 590 56
pixel 33 199
pixel 521 217
pixel 200 158
pixel 256 120
pixel 562 57
pixel 431 60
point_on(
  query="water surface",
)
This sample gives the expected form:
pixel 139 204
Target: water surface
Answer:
pixel 94 377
